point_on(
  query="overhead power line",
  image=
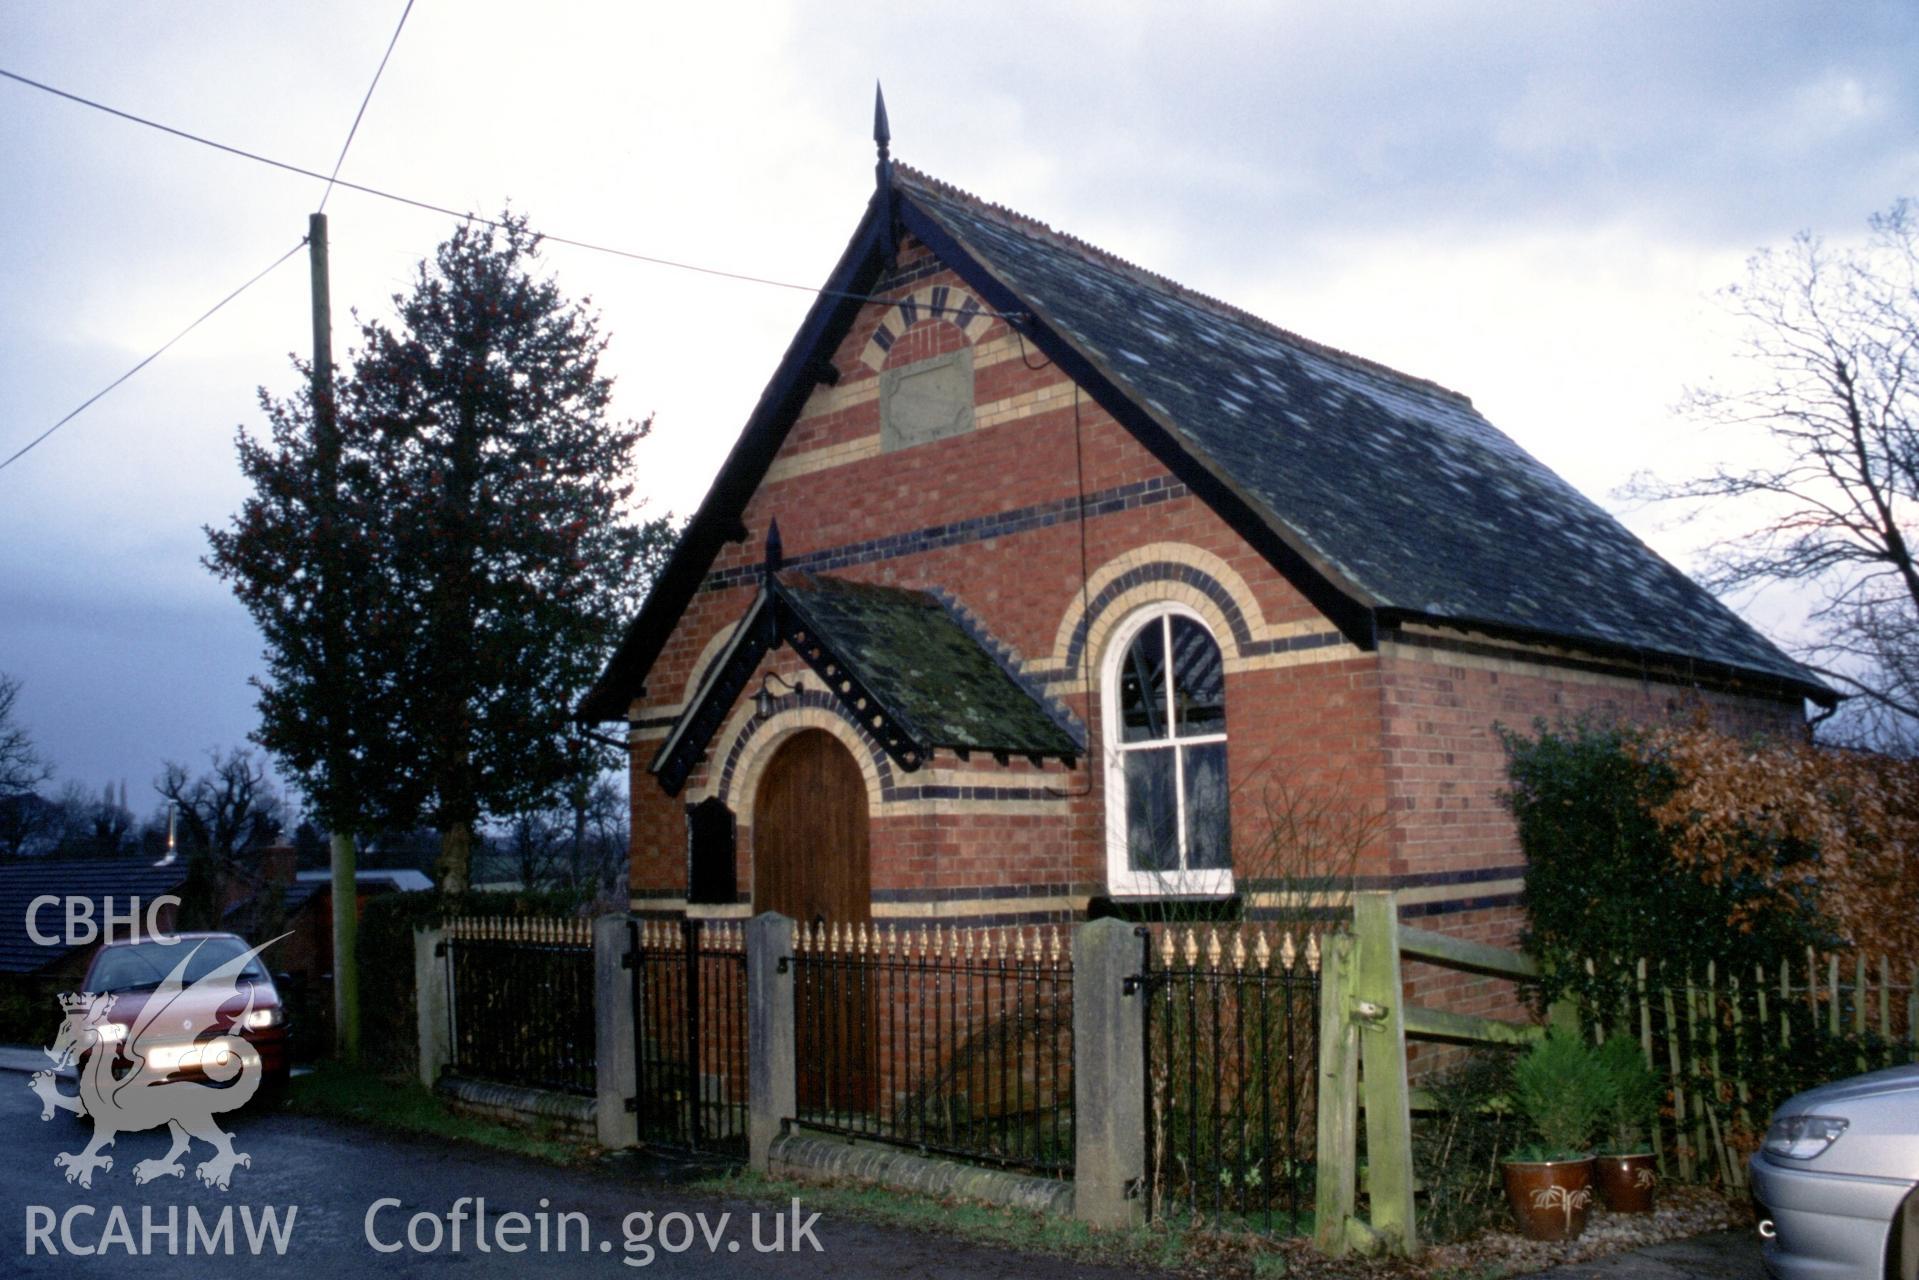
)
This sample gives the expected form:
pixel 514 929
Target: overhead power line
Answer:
pixel 355 128
pixel 430 207
pixel 204 316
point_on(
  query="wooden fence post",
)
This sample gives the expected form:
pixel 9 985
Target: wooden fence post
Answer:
pixel 1365 1019
pixel 1912 1012
pixel 1378 1005
pixel 1338 1114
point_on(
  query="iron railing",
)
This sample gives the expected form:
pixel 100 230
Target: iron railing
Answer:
pixel 689 1026
pixel 955 1041
pixel 522 1002
pixel 1231 1053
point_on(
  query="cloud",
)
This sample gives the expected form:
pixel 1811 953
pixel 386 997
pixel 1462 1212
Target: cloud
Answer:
pixel 1522 199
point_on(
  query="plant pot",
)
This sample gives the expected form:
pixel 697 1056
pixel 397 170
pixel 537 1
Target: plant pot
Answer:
pixel 1549 1198
pixel 1626 1183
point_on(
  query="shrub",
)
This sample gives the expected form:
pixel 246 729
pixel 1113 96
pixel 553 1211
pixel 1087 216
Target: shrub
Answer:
pixel 29 1009
pixel 1562 1089
pixel 1602 878
pixel 1457 1147
pixel 1794 829
pixel 1636 1094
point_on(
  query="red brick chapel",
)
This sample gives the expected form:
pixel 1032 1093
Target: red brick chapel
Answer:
pixel 1033 571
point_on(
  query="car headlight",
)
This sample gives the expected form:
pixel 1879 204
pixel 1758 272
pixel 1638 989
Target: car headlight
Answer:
pixel 260 1019
pixel 1802 1137
pixel 112 1032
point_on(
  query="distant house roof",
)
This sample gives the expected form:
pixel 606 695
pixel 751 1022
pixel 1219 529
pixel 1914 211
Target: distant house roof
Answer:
pixel 1385 498
pixel 299 893
pixel 306 887
pixel 122 879
pixel 905 664
pixel 404 879
pixel 293 899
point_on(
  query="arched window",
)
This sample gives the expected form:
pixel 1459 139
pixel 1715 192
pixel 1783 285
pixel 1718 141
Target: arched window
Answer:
pixel 1165 736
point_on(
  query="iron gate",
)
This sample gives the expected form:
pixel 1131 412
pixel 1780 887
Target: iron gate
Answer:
pixel 1231 1046
pixel 689 1031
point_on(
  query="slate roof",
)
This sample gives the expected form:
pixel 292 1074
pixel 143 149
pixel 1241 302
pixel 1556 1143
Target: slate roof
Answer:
pixel 97 879
pixel 1385 498
pixel 930 673
pixel 1398 489
pixel 912 669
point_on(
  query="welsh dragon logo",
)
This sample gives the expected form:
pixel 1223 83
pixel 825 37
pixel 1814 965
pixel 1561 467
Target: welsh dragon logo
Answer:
pixel 129 1072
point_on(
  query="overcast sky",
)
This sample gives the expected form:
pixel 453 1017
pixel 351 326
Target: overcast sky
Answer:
pixel 1529 203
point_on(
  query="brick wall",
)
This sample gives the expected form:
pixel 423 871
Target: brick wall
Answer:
pixel 990 517
pixel 1453 839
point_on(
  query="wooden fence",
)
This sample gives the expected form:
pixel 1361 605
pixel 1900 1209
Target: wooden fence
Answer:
pixel 1730 1047
pixel 1364 1021
pixel 1733 1045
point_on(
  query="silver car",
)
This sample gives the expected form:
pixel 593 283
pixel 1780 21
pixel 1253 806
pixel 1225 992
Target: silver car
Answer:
pixel 1835 1181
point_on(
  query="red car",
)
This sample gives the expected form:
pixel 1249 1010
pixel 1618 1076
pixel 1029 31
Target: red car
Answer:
pixel 181 1042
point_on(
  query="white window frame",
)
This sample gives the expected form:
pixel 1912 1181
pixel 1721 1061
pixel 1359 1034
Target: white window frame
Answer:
pixel 1121 879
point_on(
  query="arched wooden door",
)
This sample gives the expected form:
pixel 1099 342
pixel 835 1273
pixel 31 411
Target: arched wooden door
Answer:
pixel 810 862
pixel 809 832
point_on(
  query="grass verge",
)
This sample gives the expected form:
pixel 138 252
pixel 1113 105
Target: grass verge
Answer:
pixel 362 1096
pixel 1159 1246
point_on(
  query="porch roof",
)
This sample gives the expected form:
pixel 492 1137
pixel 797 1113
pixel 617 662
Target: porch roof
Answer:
pixel 907 666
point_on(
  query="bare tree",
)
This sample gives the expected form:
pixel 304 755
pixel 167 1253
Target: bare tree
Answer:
pixel 578 844
pixel 89 825
pixel 1833 340
pixel 596 856
pixel 28 824
pixel 26 819
pixel 111 822
pixel 531 842
pixel 22 767
pixel 226 812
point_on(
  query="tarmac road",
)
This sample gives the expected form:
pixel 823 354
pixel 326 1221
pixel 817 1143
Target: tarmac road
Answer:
pixel 323 1178
pixel 320 1180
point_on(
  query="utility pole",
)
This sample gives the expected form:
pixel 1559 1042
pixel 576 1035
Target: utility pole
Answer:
pixel 326 455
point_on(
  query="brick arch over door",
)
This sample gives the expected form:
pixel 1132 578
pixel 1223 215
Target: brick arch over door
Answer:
pixel 753 741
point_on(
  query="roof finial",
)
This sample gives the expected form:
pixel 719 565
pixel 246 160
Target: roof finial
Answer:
pixel 882 136
pixel 774 551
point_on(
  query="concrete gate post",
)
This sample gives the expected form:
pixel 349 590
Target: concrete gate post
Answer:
pixel 432 1003
pixel 616 1074
pixel 771 1057
pixel 1109 1075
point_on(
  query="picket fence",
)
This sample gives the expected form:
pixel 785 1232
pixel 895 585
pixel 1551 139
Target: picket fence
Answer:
pixel 1732 1045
